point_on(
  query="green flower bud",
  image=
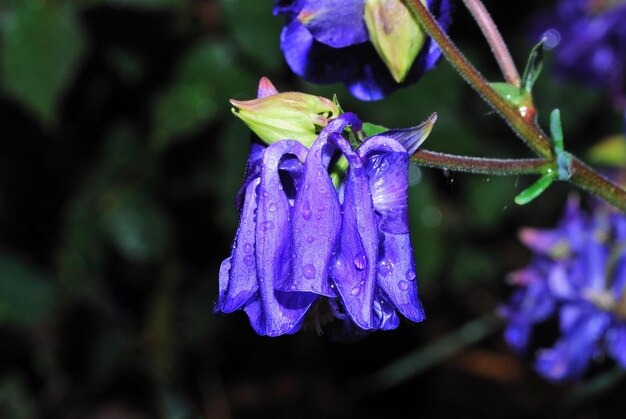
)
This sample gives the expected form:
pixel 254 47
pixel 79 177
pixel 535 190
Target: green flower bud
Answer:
pixel 289 115
pixel 395 34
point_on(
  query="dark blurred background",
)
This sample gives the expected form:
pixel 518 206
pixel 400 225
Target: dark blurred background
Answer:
pixel 119 163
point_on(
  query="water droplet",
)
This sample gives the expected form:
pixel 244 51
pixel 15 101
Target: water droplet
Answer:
pixel 355 291
pixel 410 275
pixel 403 285
pixel 265 193
pixel 272 207
pixel 247 248
pixel 321 207
pixel 360 261
pixel 385 267
pixel 310 239
pixel 308 271
pixel 307 187
pixel 249 260
pixel 267 225
pixel 306 210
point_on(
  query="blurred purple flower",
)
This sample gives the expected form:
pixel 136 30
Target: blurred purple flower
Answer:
pixel 301 241
pixel 592 37
pixel 325 43
pixel 578 274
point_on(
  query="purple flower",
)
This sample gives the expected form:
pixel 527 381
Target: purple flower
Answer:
pixel 592 45
pixel 327 42
pixel 578 274
pixel 303 242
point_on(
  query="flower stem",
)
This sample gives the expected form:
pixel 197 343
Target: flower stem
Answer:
pixel 498 47
pixel 526 128
pixel 479 165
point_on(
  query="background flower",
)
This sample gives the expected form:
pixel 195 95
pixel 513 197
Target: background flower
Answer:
pixel 328 42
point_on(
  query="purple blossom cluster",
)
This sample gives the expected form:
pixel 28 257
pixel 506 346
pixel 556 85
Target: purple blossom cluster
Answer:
pixel 327 41
pixel 592 42
pixel 303 242
pixel 578 274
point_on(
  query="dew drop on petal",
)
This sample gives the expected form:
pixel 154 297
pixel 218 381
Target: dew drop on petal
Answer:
pixel 249 260
pixel 310 239
pixel 272 207
pixel 247 248
pixel 267 225
pixel 385 267
pixel 308 271
pixel 403 285
pixel 360 261
pixel 355 291
pixel 410 275
pixel 306 210
pixel 307 187
pixel 321 207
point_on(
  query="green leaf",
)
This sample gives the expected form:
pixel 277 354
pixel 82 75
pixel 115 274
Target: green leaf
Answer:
pixel 534 190
pixel 370 129
pixel 256 31
pixel 611 151
pixel 533 68
pixel 42 46
pixel 135 224
pixel 26 295
pixel 511 93
pixel 206 78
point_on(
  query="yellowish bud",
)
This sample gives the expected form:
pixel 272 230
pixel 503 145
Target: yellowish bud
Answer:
pixel 289 115
pixel 395 34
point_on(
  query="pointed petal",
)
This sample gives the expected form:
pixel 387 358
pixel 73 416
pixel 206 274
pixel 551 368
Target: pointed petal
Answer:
pixel 387 166
pixel 354 271
pixel 334 25
pixel 316 226
pixel 242 283
pixel 411 138
pixel 253 170
pixel 266 88
pixel 279 312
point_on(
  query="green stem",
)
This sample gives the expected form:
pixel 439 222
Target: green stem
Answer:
pixel 526 128
pixel 496 167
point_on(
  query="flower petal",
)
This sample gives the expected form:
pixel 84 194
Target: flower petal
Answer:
pixel 316 224
pixel 387 166
pixel 308 58
pixel 616 341
pixel 571 354
pixel 335 25
pixel 354 271
pixel 276 312
pixel 241 284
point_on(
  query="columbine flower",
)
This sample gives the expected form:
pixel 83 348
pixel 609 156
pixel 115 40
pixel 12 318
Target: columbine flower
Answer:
pixel 592 47
pixel 301 240
pixel 373 46
pixel 578 274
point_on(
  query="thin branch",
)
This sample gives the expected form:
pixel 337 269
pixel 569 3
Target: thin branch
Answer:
pixel 526 128
pixel 492 34
pixel 496 167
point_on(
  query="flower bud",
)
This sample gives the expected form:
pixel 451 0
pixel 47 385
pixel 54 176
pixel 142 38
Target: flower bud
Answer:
pixel 395 34
pixel 289 115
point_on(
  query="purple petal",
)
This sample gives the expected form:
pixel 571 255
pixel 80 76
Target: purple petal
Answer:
pixel 354 271
pixel 616 341
pixel 253 170
pixel 387 165
pixel 571 354
pixel 276 312
pixel 308 58
pixel 241 277
pixel 335 25
pixel 316 225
